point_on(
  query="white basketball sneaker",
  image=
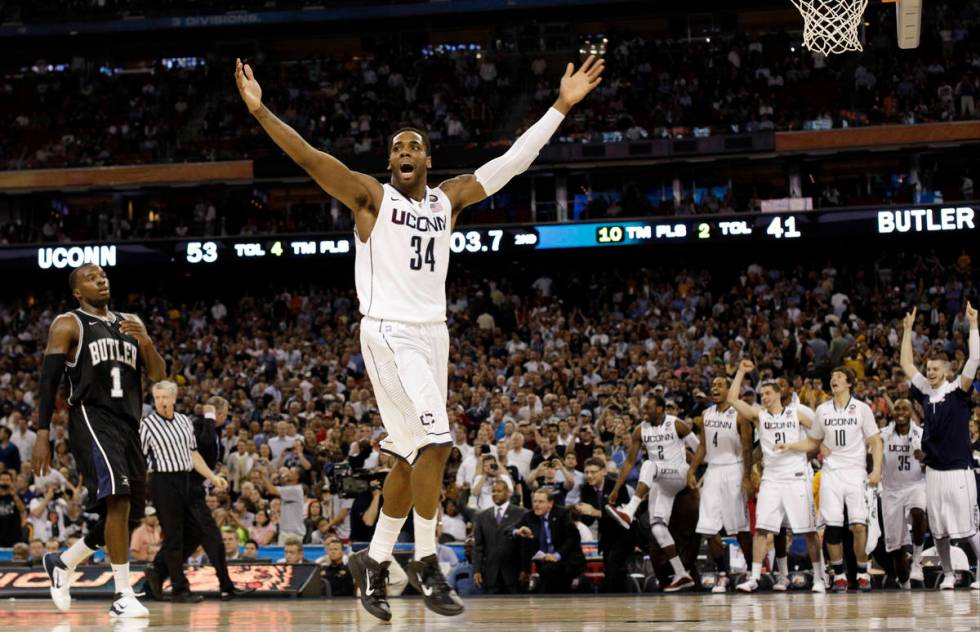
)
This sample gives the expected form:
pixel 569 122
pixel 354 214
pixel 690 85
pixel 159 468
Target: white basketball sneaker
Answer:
pixel 949 582
pixel 915 574
pixel 60 578
pixel 127 606
pixel 782 584
pixel 721 584
pixel 819 586
pixel 749 585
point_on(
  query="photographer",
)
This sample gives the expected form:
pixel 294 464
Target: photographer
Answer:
pixel 552 474
pixel 481 492
pixel 47 513
pixel 13 514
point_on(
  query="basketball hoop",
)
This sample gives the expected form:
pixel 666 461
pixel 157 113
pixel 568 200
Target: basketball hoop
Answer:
pixel 831 26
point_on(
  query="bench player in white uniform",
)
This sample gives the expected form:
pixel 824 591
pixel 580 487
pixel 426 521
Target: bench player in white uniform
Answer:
pixel 663 475
pixel 951 488
pixel 402 235
pixel 847 427
pixel 903 500
pixel 785 495
pixel 726 445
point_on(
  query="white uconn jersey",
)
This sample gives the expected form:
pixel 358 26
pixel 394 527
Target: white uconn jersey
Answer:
pixel 844 431
pixel 662 443
pixel 783 427
pixel 400 271
pixel 723 444
pixel 901 468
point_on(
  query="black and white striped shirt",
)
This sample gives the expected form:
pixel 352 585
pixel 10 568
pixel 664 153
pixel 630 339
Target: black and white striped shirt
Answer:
pixel 167 443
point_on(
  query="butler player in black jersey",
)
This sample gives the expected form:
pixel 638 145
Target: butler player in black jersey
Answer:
pixel 101 354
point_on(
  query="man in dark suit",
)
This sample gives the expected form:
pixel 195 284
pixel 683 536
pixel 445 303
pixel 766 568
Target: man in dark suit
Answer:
pixel 496 552
pixel 551 541
pixel 615 542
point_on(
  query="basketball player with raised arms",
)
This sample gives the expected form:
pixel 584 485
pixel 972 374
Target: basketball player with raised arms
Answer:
pixel 785 495
pixel 903 501
pixel 663 475
pixel 847 427
pixel 101 354
pixel 402 235
pixel 951 488
pixel 726 446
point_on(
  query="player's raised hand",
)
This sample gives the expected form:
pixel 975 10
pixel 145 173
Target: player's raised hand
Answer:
pixel 909 319
pixel 575 84
pixel 248 87
pixel 971 314
pixel 746 366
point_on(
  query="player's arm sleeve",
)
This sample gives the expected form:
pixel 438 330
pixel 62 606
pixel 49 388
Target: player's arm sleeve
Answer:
pixel 972 362
pixel 499 171
pixel 51 369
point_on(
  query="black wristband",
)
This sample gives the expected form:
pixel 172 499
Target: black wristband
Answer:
pixel 51 370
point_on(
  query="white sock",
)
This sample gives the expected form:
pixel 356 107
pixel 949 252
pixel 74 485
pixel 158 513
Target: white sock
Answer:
pixel 76 554
pixel 942 547
pixel 783 564
pixel 385 535
pixel 120 573
pixel 917 554
pixel 818 571
pixel 678 566
pixel 756 571
pixel 425 536
pixel 632 505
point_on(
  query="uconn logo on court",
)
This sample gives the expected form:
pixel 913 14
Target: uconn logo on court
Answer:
pixel 418 222
pixel 110 349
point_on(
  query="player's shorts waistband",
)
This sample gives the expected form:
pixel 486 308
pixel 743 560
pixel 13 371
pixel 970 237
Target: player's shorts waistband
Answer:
pixel 371 320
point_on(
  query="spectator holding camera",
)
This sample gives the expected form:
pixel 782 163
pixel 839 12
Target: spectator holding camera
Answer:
pixel 481 491
pixel 47 513
pixel 13 514
pixel 552 474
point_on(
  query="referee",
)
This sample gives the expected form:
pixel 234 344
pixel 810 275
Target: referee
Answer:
pixel 171 453
pixel 206 429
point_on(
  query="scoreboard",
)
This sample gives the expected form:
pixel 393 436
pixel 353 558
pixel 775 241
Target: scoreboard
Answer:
pixel 813 226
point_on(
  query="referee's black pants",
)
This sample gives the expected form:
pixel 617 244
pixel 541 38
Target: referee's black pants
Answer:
pixel 209 537
pixel 172 499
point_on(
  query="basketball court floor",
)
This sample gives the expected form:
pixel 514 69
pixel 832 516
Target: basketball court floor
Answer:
pixel 893 610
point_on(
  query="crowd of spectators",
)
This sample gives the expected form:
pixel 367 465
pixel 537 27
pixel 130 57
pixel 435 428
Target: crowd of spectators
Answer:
pixel 84 112
pixel 546 381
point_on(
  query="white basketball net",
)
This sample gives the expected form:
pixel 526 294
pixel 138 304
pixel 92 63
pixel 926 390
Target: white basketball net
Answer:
pixel 831 26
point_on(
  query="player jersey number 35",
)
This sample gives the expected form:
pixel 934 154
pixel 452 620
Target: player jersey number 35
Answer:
pixel 400 270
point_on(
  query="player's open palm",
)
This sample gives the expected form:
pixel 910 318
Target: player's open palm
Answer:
pixel 248 87
pixel 575 84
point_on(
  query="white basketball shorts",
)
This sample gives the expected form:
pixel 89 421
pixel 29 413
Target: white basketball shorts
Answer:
pixel 408 364
pixel 839 489
pixel 665 481
pixel 789 501
pixel 896 509
pixel 951 502
pixel 722 501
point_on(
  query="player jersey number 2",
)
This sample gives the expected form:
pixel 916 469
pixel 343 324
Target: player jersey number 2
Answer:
pixel 423 256
pixel 116 375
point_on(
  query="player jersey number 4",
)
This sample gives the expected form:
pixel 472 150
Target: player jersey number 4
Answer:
pixel 400 270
